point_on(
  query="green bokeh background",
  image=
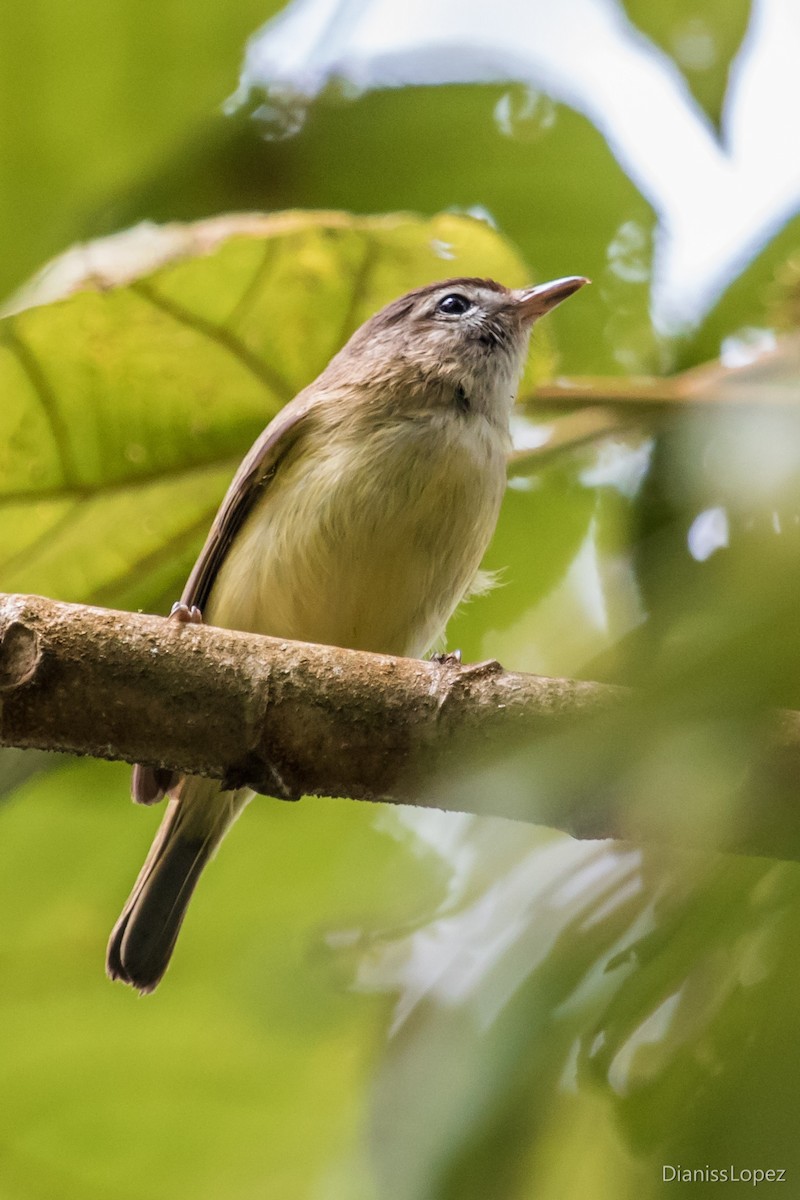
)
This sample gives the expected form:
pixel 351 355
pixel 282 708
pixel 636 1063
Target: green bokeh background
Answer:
pixel 367 1004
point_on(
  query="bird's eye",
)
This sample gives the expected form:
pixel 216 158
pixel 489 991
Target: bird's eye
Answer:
pixel 454 305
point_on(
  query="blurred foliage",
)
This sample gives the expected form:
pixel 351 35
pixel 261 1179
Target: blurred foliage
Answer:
pixel 370 1004
pixel 92 94
pixel 702 37
pixel 759 299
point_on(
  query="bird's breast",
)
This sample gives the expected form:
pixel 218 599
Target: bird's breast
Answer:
pixel 370 542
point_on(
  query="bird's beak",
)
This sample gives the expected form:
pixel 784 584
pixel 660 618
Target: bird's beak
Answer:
pixel 534 302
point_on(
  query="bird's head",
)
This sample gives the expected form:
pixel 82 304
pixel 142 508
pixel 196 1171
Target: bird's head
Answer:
pixel 468 334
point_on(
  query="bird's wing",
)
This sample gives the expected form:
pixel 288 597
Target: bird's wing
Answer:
pixel 257 469
pixel 149 784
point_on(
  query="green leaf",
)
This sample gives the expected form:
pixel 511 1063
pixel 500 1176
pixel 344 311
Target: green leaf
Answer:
pixel 701 37
pixel 137 371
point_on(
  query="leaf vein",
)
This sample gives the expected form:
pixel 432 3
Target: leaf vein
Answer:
pixel 84 491
pixel 360 281
pixel 222 336
pixel 47 398
pixel 253 286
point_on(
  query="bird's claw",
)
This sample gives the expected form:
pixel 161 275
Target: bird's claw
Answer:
pixel 449 658
pixel 185 615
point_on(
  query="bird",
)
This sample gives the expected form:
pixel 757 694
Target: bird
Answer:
pixel 358 519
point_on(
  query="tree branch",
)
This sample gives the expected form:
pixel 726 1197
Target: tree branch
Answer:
pixel 286 718
pixel 289 719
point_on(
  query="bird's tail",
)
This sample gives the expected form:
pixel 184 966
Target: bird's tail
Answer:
pixel 195 822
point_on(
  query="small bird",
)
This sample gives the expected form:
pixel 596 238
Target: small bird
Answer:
pixel 359 519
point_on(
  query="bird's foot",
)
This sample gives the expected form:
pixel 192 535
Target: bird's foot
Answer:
pixel 450 658
pixel 149 785
pixel 185 615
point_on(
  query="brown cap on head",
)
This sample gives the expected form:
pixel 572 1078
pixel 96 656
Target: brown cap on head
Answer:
pixel 534 302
